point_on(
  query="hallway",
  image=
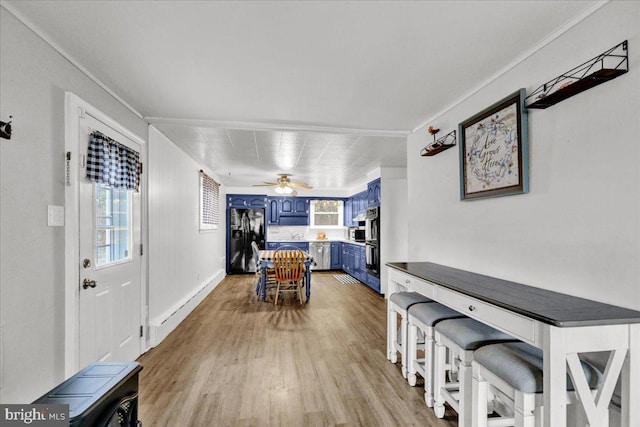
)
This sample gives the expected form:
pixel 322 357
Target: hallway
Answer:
pixel 238 361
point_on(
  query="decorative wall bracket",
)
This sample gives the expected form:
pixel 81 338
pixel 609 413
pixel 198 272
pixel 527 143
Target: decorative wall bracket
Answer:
pixel 5 129
pixel 440 144
pixel 604 67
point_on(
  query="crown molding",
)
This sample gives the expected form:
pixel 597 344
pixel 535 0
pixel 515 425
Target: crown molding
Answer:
pixel 274 126
pixel 66 55
pixel 537 47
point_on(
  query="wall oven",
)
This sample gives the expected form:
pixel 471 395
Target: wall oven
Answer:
pixel 372 225
pixel 372 241
pixel 372 256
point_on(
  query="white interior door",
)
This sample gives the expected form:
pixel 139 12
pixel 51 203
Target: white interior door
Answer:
pixel 110 265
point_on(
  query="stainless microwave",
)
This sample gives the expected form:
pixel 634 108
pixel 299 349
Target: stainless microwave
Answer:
pixel 357 235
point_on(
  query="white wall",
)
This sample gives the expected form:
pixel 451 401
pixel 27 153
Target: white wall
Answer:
pixel 182 259
pixel 33 82
pixel 578 229
pixel 394 228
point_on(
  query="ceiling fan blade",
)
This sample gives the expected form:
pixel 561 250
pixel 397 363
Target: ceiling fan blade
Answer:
pixel 266 184
pixel 300 185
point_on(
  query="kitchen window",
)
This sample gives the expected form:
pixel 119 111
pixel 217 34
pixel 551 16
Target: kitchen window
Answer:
pixel 326 213
pixel 209 202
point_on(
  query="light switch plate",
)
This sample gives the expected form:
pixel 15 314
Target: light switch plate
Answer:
pixel 55 216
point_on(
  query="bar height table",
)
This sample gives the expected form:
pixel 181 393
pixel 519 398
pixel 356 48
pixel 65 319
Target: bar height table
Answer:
pixel 562 325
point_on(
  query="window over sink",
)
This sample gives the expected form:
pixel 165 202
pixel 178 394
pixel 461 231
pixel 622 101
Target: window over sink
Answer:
pixel 326 213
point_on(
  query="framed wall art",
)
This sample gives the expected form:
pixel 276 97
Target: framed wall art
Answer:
pixel 494 158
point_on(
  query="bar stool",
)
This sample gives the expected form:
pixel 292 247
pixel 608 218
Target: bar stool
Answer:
pixel 399 303
pixel 512 373
pixel 460 337
pixel 422 318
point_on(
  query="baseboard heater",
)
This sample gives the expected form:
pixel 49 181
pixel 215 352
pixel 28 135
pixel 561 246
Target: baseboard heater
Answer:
pixel 162 326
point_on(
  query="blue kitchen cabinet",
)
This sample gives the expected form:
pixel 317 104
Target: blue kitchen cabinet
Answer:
pixel 294 206
pixel 361 273
pixel 373 282
pixel 301 206
pixel 373 193
pixel 354 206
pixel 362 203
pixel 348 258
pixel 348 212
pixel 357 263
pixel 288 211
pixel 353 261
pixel 246 200
pixel 273 212
pixel 336 255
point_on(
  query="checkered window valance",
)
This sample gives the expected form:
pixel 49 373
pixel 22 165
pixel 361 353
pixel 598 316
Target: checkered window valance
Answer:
pixel 109 162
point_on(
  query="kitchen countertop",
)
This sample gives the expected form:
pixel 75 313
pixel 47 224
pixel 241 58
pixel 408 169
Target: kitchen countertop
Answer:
pixel 318 241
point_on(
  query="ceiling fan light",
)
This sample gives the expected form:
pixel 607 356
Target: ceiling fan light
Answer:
pixel 279 190
pixel 287 190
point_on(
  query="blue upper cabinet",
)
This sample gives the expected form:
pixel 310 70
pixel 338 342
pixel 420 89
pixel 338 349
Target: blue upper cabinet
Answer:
pixel 286 206
pixel 373 193
pixel 298 206
pixel 246 200
pixel 273 212
pixel 348 212
pixel 362 203
pixel 288 211
pixel 301 206
pixel 354 206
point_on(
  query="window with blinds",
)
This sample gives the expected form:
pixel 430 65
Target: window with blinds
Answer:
pixel 209 202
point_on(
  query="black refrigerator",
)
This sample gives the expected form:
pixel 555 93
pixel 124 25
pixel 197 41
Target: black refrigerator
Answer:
pixel 245 226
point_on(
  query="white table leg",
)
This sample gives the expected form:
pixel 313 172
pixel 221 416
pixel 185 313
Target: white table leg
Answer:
pixel 555 377
pixel 412 350
pixel 392 330
pixel 480 393
pixel 403 334
pixel 631 380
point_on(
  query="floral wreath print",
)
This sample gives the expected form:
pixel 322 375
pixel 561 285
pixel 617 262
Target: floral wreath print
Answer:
pixel 485 157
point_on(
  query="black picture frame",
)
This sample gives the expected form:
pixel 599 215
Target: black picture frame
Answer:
pixel 494 152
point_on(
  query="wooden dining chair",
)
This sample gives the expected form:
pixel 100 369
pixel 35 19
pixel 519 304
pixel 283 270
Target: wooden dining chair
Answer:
pixel 269 272
pixel 289 269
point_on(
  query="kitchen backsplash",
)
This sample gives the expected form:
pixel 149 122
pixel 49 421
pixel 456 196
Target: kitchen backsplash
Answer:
pixel 276 233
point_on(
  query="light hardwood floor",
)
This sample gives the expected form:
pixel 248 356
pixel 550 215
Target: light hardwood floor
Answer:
pixel 238 361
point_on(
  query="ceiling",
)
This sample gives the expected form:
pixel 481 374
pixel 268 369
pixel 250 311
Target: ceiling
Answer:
pixel 326 91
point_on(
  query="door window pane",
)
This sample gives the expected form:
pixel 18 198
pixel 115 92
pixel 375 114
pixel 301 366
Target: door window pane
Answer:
pixel 113 224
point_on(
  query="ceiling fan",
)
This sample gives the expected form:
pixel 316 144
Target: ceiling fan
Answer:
pixel 284 185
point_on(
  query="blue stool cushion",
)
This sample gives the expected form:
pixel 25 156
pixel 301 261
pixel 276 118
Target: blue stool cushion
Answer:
pixel 431 313
pixel 406 299
pixel 470 334
pixel 520 365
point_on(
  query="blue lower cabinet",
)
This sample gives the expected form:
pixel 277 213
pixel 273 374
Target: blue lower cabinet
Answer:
pixel 336 255
pixel 373 282
pixel 353 261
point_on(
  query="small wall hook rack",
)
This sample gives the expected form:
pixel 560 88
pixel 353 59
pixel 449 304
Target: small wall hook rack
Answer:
pixel 440 144
pixel 5 128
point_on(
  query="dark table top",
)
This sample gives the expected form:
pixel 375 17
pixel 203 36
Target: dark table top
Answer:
pixel 546 306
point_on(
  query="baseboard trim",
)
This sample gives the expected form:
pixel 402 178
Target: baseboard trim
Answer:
pixel 162 326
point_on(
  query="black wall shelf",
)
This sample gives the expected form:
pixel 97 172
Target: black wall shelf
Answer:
pixel 604 67
pixel 440 144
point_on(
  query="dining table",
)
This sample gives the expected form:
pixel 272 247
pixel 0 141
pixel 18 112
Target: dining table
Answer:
pixel 265 261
